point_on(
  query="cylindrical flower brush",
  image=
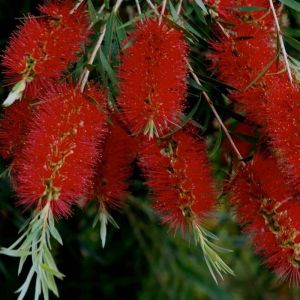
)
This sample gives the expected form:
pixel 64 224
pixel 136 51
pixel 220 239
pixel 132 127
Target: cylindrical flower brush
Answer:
pixel 43 48
pixel 266 206
pixel 153 78
pixel 178 173
pixel 54 167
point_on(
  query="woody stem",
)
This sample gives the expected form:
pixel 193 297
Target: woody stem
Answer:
pixel 217 116
pixel 85 75
pixel 285 57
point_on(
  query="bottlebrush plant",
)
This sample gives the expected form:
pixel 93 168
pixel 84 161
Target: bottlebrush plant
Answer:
pixel 196 102
pixel 43 48
pixel 153 78
pixel 268 207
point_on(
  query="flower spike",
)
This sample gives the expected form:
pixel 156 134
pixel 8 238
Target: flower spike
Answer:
pixel 61 148
pixel 267 208
pixel 178 173
pixel 153 78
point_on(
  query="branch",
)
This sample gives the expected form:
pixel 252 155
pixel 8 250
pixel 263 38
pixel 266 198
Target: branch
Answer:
pixel 85 74
pixel 285 57
pixel 76 6
pixel 162 10
pixel 35 244
pixel 179 7
pixel 223 29
pixel 99 12
pixel 137 2
pixel 153 7
pixel 211 105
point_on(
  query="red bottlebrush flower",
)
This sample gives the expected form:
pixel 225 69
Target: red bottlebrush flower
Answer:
pixel 57 160
pixel 42 49
pixel 266 208
pixel 242 57
pixel 152 78
pixel 13 127
pixel 177 171
pixel 230 11
pixel 283 126
pixel 246 58
pixel 26 56
pixel 240 61
pixel 69 31
pixel 252 101
pixel 115 167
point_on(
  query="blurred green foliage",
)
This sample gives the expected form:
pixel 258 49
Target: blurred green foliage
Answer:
pixel 142 260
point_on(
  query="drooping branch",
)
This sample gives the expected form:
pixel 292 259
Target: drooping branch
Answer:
pixel 280 38
pixel 137 2
pixel 179 7
pixel 217 116
pixel 76 6
pixel 153 7
pixel 164 4
pixel 86 72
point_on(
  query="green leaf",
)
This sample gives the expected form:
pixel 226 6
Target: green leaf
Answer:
pixel 292 4
pixel 194 31
pixel 24 288
pixel 103 227
pixel 44 283
pixel 51 220
pixel 52 285
pixel 96 220
pixel 262 72
pixel 36 226
pixel 217 145
pixel 106 2
pixel 185 119
pixel 120 31
pixel 248 8
pixel 23 227
pixel 92 11
pixel 48 259
pixel 199 13
pixel 292 42
pixel 173 12
pixel 151 130
pixel 37 289
pixel 14 253
pixel 110 24
pixel 6 173
pixel 201 5
pixel 56 234
pixel 18 241
pixel 107 67
pixel 15 94
pixel 132 21
pixel 36 240
pixel 194 84
pixel 213 261
pixel 21 263
pixel 112 221
pixel 291 31
pixel 52 271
